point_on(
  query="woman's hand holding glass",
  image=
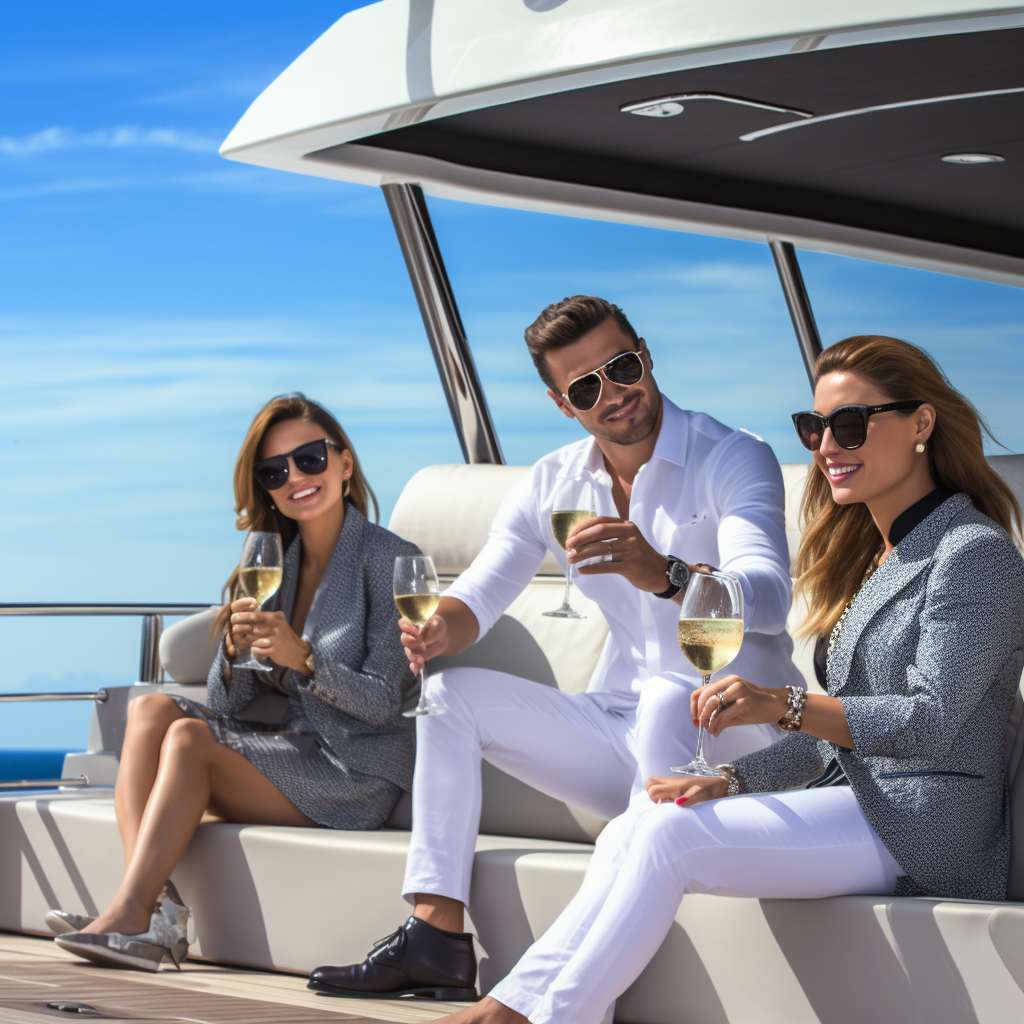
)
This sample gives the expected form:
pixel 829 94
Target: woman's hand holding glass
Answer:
pixel 735 701
pixel 269 634
pixel 259 576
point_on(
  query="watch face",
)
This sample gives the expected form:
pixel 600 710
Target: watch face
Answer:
pixel 678 574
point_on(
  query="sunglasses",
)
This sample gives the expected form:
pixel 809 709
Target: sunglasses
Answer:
pixel 310 459
pixel 848 423
pixel 583 393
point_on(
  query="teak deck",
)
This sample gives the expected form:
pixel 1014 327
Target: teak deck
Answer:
pixel 34 972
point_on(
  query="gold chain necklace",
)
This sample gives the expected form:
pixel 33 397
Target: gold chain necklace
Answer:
pixel 838 627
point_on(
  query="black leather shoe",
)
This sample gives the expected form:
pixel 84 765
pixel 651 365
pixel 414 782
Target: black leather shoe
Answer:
pixel 418 960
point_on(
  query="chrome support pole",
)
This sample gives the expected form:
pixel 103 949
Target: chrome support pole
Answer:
pixel 462 387
pixel 150 668
pixel 799 304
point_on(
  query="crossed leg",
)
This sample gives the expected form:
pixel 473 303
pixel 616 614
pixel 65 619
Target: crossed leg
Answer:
pixel 172 771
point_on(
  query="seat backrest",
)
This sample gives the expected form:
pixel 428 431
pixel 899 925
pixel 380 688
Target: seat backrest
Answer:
pixel 447 512
pixel 188 647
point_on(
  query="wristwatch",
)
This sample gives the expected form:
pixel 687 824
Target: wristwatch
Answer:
pixel 678 576
pixel 309 662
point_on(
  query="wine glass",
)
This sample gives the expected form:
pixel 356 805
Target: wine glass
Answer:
pixel 416 594
pixel 259 576
pixel 710 635
pixel 575 501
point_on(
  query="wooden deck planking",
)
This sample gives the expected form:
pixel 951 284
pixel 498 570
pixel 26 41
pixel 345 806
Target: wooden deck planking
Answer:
pixel 34 970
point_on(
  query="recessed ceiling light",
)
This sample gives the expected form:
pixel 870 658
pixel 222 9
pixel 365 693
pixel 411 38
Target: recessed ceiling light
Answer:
pixel 972 158
pixel 669 106
pixel 664 108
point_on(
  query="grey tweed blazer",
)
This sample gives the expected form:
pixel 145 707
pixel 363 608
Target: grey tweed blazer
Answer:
pixel 926 667
pixel 361 677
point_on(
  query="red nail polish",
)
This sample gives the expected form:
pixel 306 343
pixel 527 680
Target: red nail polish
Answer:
pixel 680 800
pixel 695 723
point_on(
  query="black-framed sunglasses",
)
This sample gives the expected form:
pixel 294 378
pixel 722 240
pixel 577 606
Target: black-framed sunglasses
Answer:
pixel 310 459
pixel 848 423
pixel 584 392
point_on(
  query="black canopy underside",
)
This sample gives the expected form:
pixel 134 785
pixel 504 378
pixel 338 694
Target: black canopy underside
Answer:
pixel 881 170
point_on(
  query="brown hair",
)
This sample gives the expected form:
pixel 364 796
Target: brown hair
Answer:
pixel 567 321
pixel 253 505
pixel 841 542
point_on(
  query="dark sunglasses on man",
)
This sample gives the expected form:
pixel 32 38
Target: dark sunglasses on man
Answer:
pixel 310 459
pixel 848 423
pixel 584 392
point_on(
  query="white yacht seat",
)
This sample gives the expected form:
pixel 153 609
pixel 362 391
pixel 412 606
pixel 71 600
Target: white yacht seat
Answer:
pixel 291 899
pixel 188 647
pixel 295 898
pixel 447 511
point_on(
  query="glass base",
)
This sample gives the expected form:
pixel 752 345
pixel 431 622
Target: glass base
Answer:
pixel 255 663
pixel 430 708
pixel 699 768
pixel 565 612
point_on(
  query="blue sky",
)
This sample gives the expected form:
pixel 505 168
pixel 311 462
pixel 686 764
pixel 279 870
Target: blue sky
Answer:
pixel 155 295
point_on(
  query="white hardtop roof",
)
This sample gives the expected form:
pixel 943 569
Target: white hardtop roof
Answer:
pixel 400 62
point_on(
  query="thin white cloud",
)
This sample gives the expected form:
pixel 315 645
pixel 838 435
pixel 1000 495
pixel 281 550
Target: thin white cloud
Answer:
pixel 122 137
pixel 224 179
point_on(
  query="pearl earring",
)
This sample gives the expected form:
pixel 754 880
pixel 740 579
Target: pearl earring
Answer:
pixel 919 448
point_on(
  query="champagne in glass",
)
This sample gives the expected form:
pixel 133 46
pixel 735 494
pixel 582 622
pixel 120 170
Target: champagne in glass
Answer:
pixel 710 635
pixel 575 502
pixel 417 593
pixel 259 576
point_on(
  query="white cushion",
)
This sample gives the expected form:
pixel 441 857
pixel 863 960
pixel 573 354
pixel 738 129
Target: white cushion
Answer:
pixel 187 648
pixel 447 512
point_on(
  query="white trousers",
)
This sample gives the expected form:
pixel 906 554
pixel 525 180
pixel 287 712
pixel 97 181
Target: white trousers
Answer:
pixel 802 844
pixel 574 747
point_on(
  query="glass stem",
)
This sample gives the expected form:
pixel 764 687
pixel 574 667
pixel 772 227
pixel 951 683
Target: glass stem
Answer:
pixel 423 689
pixel 568 586
pixel 699 756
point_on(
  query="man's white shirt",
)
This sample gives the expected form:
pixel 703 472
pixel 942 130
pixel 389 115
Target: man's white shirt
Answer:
pixel 708 494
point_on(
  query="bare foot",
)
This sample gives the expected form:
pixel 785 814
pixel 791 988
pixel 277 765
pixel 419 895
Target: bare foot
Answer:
pixel 487 1011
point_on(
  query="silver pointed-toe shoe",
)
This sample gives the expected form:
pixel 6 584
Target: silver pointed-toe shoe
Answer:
pixel 167 939
pixel 60 922
pixel 171 904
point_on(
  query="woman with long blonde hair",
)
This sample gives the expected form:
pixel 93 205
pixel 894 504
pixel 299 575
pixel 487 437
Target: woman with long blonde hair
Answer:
pixel 891 782
pixel 317 741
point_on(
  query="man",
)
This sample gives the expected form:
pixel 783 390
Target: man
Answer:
pixel 680 492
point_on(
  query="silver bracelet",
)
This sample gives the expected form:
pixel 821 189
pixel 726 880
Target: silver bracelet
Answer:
pixel 791 720
pixel 730 772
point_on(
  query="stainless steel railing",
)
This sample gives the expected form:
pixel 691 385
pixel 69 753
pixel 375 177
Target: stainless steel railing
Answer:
pixel 6 698
pixel 45 783
pixel 150 669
